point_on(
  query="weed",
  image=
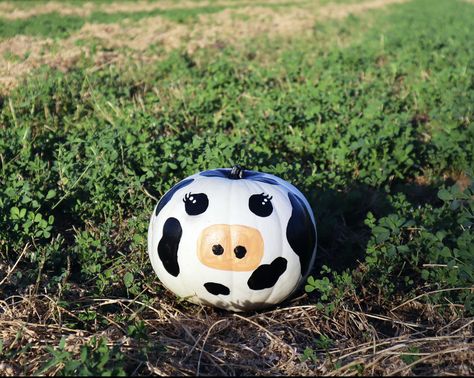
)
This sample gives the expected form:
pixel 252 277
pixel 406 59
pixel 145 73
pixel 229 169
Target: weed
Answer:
pixel 96 359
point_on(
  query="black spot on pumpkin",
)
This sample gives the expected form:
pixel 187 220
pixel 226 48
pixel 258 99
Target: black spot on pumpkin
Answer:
pixel 169 194
pixel 169 244
pixel 301 233
pixel 266 275
pixel 216 288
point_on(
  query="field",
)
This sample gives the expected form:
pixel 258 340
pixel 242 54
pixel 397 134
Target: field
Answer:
pixel 366 106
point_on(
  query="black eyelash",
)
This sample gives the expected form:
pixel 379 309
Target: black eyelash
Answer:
pixel 187 196
pixel 267 196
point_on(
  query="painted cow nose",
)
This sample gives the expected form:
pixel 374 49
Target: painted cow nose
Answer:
pixel 230 247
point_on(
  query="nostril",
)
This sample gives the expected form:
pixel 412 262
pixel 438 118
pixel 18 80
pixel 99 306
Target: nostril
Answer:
pixel 217 249
pixel 240 252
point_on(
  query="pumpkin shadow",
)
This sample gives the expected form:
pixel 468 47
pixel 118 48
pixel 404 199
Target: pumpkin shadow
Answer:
pixel 340 216
pixel 243 307
pixel 342 234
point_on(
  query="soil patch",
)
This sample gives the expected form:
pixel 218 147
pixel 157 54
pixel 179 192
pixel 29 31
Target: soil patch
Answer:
pixel 10 11
pixel 20 54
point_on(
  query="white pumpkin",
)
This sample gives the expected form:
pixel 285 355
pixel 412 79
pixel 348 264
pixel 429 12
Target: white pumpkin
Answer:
pixel 235 239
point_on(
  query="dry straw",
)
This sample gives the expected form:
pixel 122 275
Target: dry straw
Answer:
pixel 194 340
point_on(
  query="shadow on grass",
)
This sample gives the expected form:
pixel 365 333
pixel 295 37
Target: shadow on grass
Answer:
pixel 340 216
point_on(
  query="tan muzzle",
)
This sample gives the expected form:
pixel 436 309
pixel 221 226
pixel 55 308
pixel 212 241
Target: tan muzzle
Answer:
pixel 230 247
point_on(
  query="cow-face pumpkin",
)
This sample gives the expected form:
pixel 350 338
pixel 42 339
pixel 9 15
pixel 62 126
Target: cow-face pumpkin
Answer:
pixel 232 238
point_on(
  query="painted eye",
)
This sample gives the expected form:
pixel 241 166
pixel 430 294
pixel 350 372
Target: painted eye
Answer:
pixel 195 203
pixel 261 205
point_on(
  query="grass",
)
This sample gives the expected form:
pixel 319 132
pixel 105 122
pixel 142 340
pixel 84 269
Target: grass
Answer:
pixel 373 123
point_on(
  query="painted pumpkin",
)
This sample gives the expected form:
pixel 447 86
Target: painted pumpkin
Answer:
pixel 232 238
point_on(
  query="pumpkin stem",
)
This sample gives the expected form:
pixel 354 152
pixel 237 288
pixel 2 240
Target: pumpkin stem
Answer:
pixel 237 172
